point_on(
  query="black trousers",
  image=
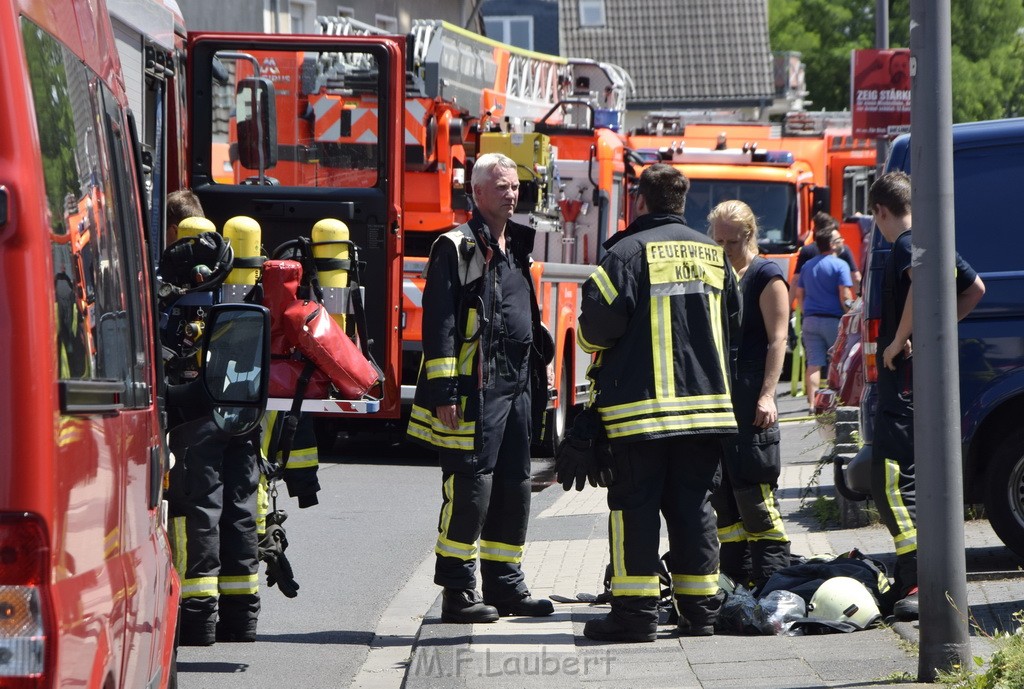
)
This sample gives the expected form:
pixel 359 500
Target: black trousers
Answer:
pixel 674 477
pixel 750 526
pixel 212 503
pixel 486 499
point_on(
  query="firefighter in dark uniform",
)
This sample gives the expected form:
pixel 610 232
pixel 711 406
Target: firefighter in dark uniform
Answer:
pixel 481 386
pixel 660 311
pixel 750 527
pixel 892 454
pixel 212 487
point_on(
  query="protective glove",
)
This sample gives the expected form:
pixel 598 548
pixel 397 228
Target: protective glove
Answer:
pixel 585 455
pixel 271 550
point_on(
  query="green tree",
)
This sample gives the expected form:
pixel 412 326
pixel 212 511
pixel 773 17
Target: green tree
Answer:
pixel 988 49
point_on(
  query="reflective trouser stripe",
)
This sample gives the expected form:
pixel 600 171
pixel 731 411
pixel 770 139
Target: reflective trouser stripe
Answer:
pixel 778 530
pixel 500 552
pixel 199 587
pixel 445 546
pixel 695 584
pixel 622 584
pixel 245 584
pixel 734 533
pixel 179 540
pixel 636 586
pixel 906 540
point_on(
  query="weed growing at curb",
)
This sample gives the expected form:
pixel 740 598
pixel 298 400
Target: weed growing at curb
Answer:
pixel 1005 667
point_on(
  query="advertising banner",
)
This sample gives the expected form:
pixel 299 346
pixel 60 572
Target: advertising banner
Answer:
pixel 880 92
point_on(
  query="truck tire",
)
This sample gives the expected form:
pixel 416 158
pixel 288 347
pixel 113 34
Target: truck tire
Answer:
pixel 558 418
pixel 1004 494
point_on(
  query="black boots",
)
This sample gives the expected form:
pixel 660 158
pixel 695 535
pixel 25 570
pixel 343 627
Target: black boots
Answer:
pixel 632 620
pixel 464 606
pixel 527 606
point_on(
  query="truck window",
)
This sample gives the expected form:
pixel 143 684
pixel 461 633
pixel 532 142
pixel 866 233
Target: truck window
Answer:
pixel 91 278
pixel 988 231
pixel 326 118
pixel 774 205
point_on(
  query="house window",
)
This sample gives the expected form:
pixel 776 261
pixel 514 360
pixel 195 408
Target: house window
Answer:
pixel 386 22
pixel 517 31
pixel 592 13
pixel 344 11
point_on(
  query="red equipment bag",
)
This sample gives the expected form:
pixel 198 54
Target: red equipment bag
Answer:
pixel 303 333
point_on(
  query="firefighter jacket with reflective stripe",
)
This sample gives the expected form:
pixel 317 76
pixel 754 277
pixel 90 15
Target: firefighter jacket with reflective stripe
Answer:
pixel 459 303
pixel 662 312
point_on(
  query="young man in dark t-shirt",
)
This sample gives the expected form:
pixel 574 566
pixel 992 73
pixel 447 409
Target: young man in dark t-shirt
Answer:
pixel 892 464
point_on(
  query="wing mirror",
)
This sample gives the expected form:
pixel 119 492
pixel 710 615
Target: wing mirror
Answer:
pixel 236 365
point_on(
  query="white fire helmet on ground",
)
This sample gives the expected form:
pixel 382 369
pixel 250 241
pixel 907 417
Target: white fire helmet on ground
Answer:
pixel 843 599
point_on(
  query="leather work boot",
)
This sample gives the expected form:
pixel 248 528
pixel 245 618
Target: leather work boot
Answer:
pixel 465 607
pixel 527 606
pixel 632 620
pixel 687 629
pixel 905 609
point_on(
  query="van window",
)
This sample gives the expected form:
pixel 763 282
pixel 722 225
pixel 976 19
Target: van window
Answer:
pixel 987 218
pixel 97 279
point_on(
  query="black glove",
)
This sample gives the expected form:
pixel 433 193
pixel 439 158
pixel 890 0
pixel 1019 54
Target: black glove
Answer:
pixel 271 550
pixel 585 455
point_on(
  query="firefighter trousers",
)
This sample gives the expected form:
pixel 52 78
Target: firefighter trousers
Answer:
pixel 674 477
pixel 486 499
pixel 892 485
pixel 212 503
pixel 750 526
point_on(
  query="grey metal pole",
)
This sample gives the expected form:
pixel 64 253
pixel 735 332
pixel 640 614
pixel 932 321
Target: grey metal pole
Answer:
pixel 881 43
pixel 941 561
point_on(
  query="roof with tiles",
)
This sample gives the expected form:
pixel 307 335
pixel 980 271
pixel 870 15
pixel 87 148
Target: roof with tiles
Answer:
pixel 680 53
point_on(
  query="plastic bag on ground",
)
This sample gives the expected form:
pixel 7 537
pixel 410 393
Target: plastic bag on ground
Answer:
pixel 737 613
pixel 776 612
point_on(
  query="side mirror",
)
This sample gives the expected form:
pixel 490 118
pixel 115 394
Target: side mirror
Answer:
pixel 256 117
pixel 236 365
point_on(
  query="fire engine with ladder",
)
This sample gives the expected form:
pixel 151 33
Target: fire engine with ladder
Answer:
pixel 463 95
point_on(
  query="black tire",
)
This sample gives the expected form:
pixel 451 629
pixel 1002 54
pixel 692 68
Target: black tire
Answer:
pixel 1004 494
pixel 557 423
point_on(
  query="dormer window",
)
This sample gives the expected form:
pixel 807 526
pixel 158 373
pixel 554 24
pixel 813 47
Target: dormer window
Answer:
pixel 592 14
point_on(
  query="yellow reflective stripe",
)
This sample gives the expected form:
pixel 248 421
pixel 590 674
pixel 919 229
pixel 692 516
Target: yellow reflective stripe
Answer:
pixel 661 347
pixel 778 530
pixel 445 546
pixel 450 548
pixel 690 422
pixel 718 332
pixel 196 588
pixel 585 345
pixel 695 584
pixel 906 540
pixel 734 533
pixel 676 404
pixel 245 584
pixel 604 284
pixel 500 552
pixel 303 459
pixel 428 428
pixel 269 419
pixel 636 586
pixel 262 505
pixel 618 543
pixel 440 368
pixel 180 541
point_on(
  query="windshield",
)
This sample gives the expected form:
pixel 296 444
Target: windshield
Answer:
pixel 773 203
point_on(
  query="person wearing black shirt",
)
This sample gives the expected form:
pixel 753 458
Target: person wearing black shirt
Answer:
pixel 892 461
pixel 750 528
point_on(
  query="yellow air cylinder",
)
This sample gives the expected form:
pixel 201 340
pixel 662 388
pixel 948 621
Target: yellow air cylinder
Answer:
pixel 244 234
pixel 195 225
pixel 325 233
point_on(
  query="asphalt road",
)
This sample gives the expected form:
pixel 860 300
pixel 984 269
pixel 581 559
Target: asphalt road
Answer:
pixel 375 524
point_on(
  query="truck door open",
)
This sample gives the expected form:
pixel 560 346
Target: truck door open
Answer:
pixel 292 130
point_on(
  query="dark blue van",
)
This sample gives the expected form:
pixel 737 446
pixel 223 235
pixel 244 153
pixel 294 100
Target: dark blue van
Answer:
pixel 988 180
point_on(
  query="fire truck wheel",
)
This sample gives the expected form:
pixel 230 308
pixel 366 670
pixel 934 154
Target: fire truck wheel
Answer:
pixel 1004 496
pixel 558 417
